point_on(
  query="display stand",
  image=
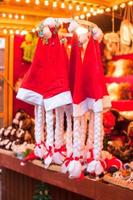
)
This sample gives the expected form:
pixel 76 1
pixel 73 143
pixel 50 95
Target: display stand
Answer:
pixel 97 190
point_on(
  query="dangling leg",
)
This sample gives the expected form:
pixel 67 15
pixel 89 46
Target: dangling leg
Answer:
pixel 96 166
pixel 60 150
pixel 39 149
pixel 75 167
pixel 69 150
pixel 49 138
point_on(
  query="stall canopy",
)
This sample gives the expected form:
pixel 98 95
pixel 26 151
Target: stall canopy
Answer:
pixel 26 14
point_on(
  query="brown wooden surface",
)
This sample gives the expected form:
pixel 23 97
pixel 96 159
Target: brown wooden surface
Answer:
pixel 91 189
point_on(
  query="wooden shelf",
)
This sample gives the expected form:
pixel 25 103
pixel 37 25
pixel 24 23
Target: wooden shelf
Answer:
pixel 97 190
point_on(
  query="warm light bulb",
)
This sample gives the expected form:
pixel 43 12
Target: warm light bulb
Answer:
pixel 88 15
pixel 115 7
pixel 108 9
pixel 22 16
pixel 76 17
pixel 16 16
pixel 33 30
pixel 91 10
pixel 17 32
pixel 11 31
pixel 24 32
pixel 63 5
pixel 27 1
pixel 37 2
pixel 85 8
pixel 46 2
pixel 77 7
pixel 82 16
pixel 10 16
pixel 54 4
pixel 3 14
pixel 5 31
pixel 123 5
pixel 101 11
pixel 130 3
pixel 94 13
pixel 70 7
pixel 18 0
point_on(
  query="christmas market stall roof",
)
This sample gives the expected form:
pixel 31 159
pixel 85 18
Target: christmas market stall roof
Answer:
pixel 26 14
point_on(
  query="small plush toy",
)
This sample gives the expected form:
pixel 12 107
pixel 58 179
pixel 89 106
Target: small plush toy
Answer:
pixel 28 46
pixel 21 130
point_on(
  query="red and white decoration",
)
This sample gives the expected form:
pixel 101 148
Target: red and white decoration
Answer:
pixel 67 88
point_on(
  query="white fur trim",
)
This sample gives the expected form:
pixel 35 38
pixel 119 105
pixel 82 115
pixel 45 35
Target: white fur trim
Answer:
pixel 58 100
pixel 30 96
pixel 91 104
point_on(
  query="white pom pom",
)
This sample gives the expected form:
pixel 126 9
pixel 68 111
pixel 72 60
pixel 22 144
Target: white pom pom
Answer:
pixel 39 151
pixel 95 167
pixel 97 33
pixel 64 168
pixel 75 169
pixel 47 161
pixel 83 38
pixel 73 26
pixel 51 22
pixel 58 158
pixel 47 33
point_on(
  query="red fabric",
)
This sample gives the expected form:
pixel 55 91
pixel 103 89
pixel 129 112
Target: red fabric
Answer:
pixel 92 72
pixel 48 73
pixel 75 69
pixel 127 56
pixel 20 67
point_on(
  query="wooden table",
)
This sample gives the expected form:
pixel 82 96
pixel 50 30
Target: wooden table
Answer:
pixel 97 190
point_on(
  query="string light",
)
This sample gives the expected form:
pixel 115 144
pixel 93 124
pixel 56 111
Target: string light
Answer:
pixel 91 10
pixel 94 13
pixel 130 3
pixel 33 30
pixel 115 7
pixel 76 17
pixel 10 16
pixel 85 8
pixel 11 31
pixel 78 7
pixel 3 14
pixel 123 5
pixel 27 1
pixel 17 32
pixel 63 5
pixel 82 16
pixel 5 31
pixel 54 4
pixel 46 2
pixel 88 15
pixel 18 0
pixel 70 7
pixel 22 17
pixel 16 16
pixel 108 9
pixel 37 2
